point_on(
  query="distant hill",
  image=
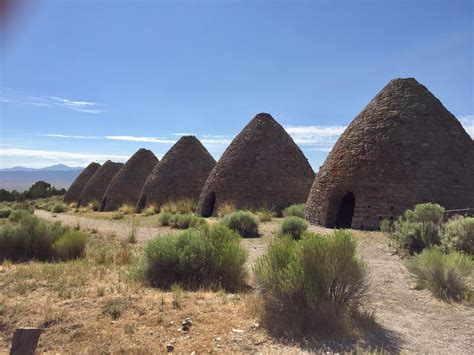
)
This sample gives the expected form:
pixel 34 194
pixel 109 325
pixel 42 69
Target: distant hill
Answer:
pixel 20 178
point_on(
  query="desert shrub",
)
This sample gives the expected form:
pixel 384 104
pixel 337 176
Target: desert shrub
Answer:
pixel 209 256
pixel 151 210
pixel 93 205
pixel 18 215
pixel 23 206
pixel 293 226
pixel 164 218
pixel 226 208
pixel 458 234
pixel 313 283
pixel 447 276
pixel 5 212
pixel 71 245
pixel 386 226
pixel 265 214
pixel 294 210
pixel 244 222
pixel 183 206
pixel 29 238
pixel 127 208
pixel 419 228
pixel 185 221
pixel 117 215
pixel 59 208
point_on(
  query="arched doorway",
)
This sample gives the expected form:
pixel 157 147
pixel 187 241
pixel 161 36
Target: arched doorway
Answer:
pixel 208 205
pixel 346 211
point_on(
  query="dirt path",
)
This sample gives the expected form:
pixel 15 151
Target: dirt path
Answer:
pixel 410 320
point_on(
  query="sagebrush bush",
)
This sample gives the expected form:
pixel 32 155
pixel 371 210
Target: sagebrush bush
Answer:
pixel 458 234
pixel 226 208
pixel 70 245
pixel 419 228
pixel 93 205
pixel 293 226
pixel 296 210
pixel 244 222
pixel 386 226
pixel 164 218
pixel 23 206
pixel 5 212
pixel 17 215
pixel 127 208
pixel 315 283
pixel 183 206
pixel 265 214
pixel 185 221
pixel 59 208
pixel 447 276
pixel 210 256
pixel 117 215
pixel 151 209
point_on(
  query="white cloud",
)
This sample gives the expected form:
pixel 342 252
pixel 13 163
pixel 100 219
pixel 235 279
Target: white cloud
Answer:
pixel 141 139
pixel 51 101
pixel 54 154
pixel 68 136
pixel 180 134
pixel 315 138
pixel 468 124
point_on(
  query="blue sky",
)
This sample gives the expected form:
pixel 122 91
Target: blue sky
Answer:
pixel 92 80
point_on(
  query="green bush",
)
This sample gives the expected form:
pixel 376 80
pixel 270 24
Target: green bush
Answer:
pixel 458 234
pixel 164 218
pixel 32 238
pixel 313 283
pixel 294 210
pixel 117 215
pixel 210 256
pixel 447 276
pixel 244 222
pixel 23 206
pixel 386 226
pixel 185 221
pixel 265 214
pixel 5 212
pixel 94 205
pixel 293 226
pixel 59 208
pixel 70 245
pixel 18 215
pixel 419 228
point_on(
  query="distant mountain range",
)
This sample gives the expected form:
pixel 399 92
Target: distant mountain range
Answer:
pixel 57 167
pixel 20 178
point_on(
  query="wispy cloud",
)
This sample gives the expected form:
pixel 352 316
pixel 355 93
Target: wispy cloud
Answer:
pixel 468 123
pixel 11 96
pixel 141 139
pixel 180 134
pixel 316 138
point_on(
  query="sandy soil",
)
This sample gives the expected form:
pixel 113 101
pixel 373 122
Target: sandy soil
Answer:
pixel 409 320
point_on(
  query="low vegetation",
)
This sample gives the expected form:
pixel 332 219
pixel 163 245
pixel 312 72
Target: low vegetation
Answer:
pixel 419 228
pixel 458 234
pixel 209 256
pixel 312 284
pixel 180 221
pixel 5 212
pixel 183 206
pixel 151 210
pixel 59 208
pixel 127 208
pixel 226 208
pixel 448 276
pixel 293 226
pixel 27 237
pixel 265 214
pixel 244 222
pixel 296 210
